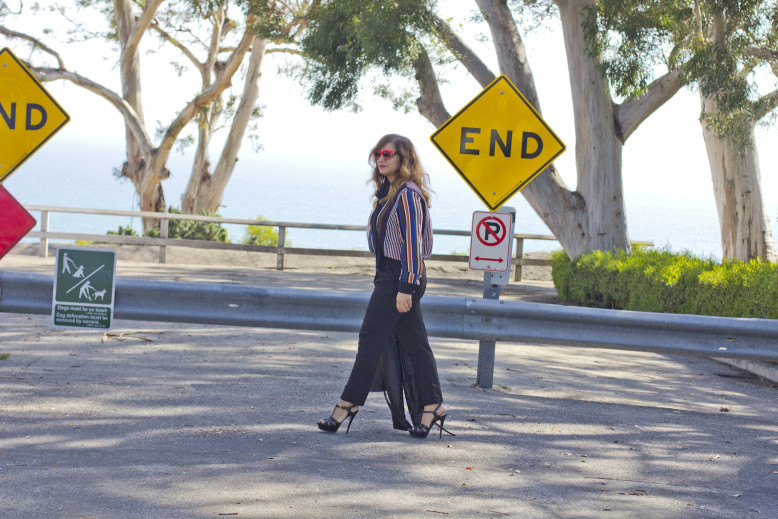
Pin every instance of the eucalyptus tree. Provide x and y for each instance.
(126, 24)
(348, 37)
(728, 49)
(277, 26)
(254, 24)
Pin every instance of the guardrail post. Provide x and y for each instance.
(280, 249)
(519, 255)
(485, 375)
(163, 231)
(44, 250)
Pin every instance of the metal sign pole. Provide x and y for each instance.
(492, 283)
(485, 376)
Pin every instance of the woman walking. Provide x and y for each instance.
(400, 236)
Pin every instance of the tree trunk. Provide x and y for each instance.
(207, 120)
(147, 184)
(745, 225)
(593, 217)
(210, 193)
(598, 147)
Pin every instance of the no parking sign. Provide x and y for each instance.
(490, 241)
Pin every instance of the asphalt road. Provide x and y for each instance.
(156, 420)
(178, 421)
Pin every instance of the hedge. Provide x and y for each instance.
(662, 281)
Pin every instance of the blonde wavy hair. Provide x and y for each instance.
(411, 169)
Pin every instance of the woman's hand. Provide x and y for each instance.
(404, 302)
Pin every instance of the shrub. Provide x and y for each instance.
(662, 281)
(192, 230)
(261, 235)
(124, 231)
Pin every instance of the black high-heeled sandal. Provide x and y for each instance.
(331, 424)
(421, 430)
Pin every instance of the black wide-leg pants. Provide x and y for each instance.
(381, 319)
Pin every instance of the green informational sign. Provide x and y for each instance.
(84, 288)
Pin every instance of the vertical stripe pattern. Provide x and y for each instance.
(408, 234)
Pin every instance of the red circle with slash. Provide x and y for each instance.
(491, 230)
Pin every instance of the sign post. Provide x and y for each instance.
(84, 288)
(493, 278)
(497, 143)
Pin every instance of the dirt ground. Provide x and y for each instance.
(293, 262)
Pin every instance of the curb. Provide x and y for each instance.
(768, 370)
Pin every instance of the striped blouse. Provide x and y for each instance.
(408, 235)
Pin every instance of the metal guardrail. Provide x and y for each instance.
(281, 251)
(450, 317)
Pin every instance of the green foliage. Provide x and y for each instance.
(346, 38)
(4, 356)
(715, 47)
(261, 235)
(662, 281)
(632, 37)
(192, 230)
(124, 231)
(270, 22)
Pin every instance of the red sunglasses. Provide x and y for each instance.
(387, 154)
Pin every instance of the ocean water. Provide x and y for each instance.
(303, 189)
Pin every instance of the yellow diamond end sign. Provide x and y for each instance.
(29, 116)
(498, 143)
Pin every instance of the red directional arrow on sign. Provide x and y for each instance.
(498, 260)
(15, 221)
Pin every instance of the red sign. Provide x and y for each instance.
(15, 221)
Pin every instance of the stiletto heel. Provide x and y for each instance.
(421, 430)
(332, 425)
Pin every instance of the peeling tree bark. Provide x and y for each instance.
(147, 183)
(598, 146)
(210, 193)
(593, 216)
(737, 188)
(743, 220)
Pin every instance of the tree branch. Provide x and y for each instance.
(769, 55)
(218, 19)
(461, 51)
(511, 52)
(430, 104)
(764, 53)
(205, 97)
(180, 46)
(142, 23)
(767, 103)
(284, 50)
(632, 112)
(35, 41)
(131, 118)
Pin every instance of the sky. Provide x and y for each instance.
(663, 160)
